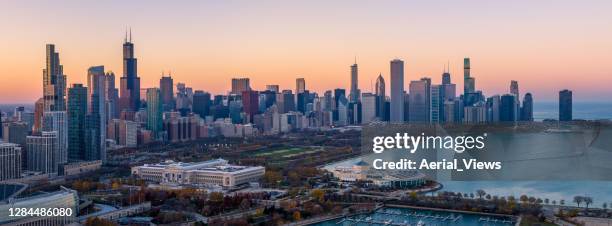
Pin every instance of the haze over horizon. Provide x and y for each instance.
(545, 45)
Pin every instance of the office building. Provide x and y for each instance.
(380, 93)
(274, 88)
(527, 109)
(166, 88)
(565, 105)
(469, 83)
(240, 85)
(42, 152)
(420, 100)
(436, 104)
(397, 90)
(300, 85)
(123, 132)
(130, 82)
(201, 103)
(96, 111)
(154, 111)
(111, 97)
(354, 92)
(39, 108)
(15, 132)
(10, 161)
(507, 111)
(76, 112)
(368, 107)
(250, 103)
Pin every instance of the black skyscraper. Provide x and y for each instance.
(201, 103)
(565, 105)
(527, 109)
(130, 82)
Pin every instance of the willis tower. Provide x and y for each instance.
(130, 82)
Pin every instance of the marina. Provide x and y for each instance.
(419, 217)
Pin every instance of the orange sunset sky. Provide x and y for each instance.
(546, 45)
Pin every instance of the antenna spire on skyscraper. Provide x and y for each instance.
(130, 34)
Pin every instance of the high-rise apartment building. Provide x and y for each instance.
(354, 92)
(10, 161)
(42, 152)
(54, 82)
(58, 121)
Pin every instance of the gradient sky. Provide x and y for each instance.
(546, 45)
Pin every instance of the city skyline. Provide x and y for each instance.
(207, 54)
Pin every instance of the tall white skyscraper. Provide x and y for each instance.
(397, 91)
(57, 121)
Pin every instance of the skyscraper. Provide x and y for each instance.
(54, 82)
(493, 108)
(166, 87)
(380, 97)
(239, 85)
(77, 110)
(469, 83)
(154, 111)
(368, 107)
(300, 85)
(39, 108)
(273, 88)
(436, 104)
(96, 91)
(354, 93)
(57, 121)
(565, 105)
(303, 99)
(112, 97)
(507, 111)
(130, 82)
(10, 161)
(42, 152)
(287, 101)
(397, 91)
(250, 102)
(527, 109)
(420, 100)
(514, 88)
(201, 103)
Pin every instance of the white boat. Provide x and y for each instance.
(420, 223)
